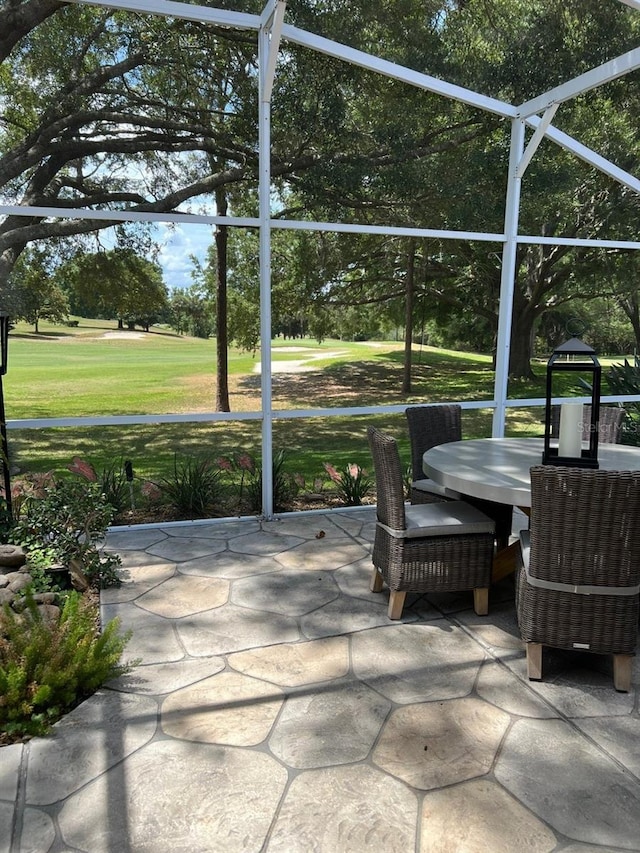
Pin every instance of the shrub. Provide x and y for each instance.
(195, 490)
(49, 666)
(66, 519)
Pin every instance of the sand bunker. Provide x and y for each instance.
(303, 366)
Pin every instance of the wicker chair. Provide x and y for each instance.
(580, 581)
(609, 423)
(428, 427)
(426, 548)
(433, 425)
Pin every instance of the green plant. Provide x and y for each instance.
(68, 518)
(112, 480)
(284, 485)
(39, 565)
(407, 479)
(115, 486)
(353, 483)
(195, 489)
(49, 666)
(625, 379)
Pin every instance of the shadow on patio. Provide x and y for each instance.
(277, 708)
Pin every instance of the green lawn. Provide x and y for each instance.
(92, 369)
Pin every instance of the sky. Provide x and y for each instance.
(178, 243)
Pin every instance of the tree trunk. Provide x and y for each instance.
(408, 317)
(631, 308)
(8, 260)
(521, 346)
(222, 384)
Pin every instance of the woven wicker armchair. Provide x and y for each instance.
(610, 421)
(430, 426)
(435, 547)
(580, 581)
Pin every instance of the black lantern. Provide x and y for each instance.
(571, 429)
(4, 350)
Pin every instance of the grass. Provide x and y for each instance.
(93, 370)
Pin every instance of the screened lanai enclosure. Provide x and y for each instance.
(473, 163)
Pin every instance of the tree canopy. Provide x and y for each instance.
(113, 111)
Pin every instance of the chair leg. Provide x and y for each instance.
(396, 603)
(375, 584)
(622, 672)
(534, 661)
(481, 600)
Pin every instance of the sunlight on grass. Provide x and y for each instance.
(95, 369)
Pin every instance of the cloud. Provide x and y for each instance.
(177, 244)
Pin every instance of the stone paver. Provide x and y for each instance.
(262, 544)
(180, 549)
(6, 825)
(600, 804)
(345, 617)
(289, 594)
(276, 708)
(498, 687)
(159, 678)
(322, 555)
(294, 664)
(136, 580)
(154, 639)
(338, 725)
(134, 540)
(353, 809)
(227, 565)
(173, 796)
(435, 744)
(38, 830)
(95, 736)
(228, 708)
(232, 628)
(480, 816)
(619, 736)
(9, 769)
(413, 663)
(183, 595)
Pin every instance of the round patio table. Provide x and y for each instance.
(497, 469)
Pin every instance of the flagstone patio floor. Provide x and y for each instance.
(276, 708)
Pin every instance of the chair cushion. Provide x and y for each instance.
(433, 488)
(450, 518)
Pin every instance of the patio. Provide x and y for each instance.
(277, 708)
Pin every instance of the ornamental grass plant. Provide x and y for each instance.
(352, 483)
(195, 488)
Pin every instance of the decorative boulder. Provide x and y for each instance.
(12, 556)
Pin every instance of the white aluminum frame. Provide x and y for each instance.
(271, 30)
